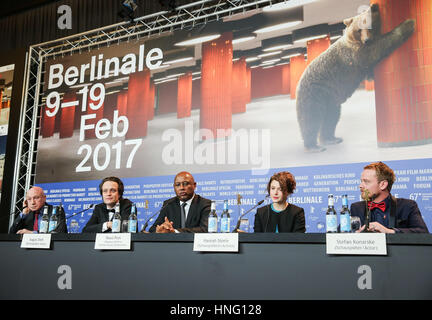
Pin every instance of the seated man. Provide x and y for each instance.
(29, 219)
(187, 212)
(111, 190)
(387, 213)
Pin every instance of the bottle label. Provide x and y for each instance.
(212, 224)
(331, 202)
(132, 226)
(345, 223)
(116, 225)
(52, 226)
(43, 227)
(345, 201)
(225, 225)
(331, 222)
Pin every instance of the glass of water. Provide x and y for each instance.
(355, 223)
(244, 225)
(124, 226)
(74, 226)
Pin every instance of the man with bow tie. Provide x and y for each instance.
(111, 190)
(387, 213)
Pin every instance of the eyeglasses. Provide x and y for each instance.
(35, 198)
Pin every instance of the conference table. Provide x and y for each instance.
(165, 267)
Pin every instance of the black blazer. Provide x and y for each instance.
(101, 215)
(404, 216)
(197, 218)
(292, 219)
(28, 220)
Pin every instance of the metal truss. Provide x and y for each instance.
(183, 17)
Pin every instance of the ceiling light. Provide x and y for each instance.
(191, 42)
(279, 26)
(286, 5)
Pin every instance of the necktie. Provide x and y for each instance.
(35, 223)
(381, 205)
(112, 216)
(183, 214)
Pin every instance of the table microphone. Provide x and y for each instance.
(163, 207)
(84, 210)
(238, 221)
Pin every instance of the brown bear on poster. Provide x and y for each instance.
(332, 77)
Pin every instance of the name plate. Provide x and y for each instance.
(36, 241)
(216, 242)
(113, 241)
(356, 243)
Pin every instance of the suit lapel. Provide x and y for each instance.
(392, 218)
(192, 210)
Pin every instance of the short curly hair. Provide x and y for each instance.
(286, 181)
(383, 172)
(113, 179)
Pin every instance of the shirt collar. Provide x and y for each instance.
(189, 202)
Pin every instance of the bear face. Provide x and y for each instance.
(364, 27)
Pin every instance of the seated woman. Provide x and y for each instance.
(280, 216)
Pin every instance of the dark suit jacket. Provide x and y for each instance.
(292, 219)
(197, 218)
(28, 220)
(101, 215)
(404, 216)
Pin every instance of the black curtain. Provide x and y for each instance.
(40, 24)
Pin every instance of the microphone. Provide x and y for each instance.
(163, 207)
(367, 217)
(84, 210)
(238, 221)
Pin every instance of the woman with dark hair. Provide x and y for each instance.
(280, 216)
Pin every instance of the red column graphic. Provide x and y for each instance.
(152, 101)
(1, 99)
(403, 81)
(249, 81)
(110, 106)
(48, 123)
(266, 82)
(316, 47)
(239, 86)
(122, 103)
(285, 79)
(184, 96)
(167, 97)
(67, 116)
(216, 73)
(297, 67)
(137, 104)
(369, 85)
(91, 133)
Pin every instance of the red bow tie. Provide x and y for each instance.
(381, 205)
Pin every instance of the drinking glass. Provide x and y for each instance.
(355, 223)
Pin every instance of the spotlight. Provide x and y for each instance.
(128, 8)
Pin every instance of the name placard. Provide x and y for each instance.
(356, 243)
(36, 241)
(216, 242)
(113, 241)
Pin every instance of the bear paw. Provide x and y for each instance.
(330, 141)
(314, 149)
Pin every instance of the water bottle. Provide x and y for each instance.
(212, 219)
(43, 228)
(116, 222)
(225, 218)
(345, 215)
(133, 220)
(331, 215)
(53, 221)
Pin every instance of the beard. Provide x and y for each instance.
(370, 196)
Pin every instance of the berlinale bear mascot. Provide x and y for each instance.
(332, 77)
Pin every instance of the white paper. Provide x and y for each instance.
(36, 241)
(216, 242)
(113, 241)
(356, 243)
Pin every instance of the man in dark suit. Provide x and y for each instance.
(387, 213)
(28, 220)
(187, 212)
(111, 190)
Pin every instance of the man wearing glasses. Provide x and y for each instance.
(186, 212)
(28, 220)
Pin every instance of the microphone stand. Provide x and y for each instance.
(367, 217)
(152, 216)
(84, 210)
(239, 219)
